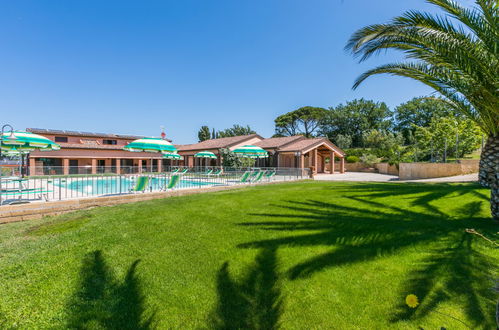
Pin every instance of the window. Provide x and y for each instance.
(61, 139)
(113, 142)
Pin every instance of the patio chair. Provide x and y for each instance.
(141, 184)
(185, 170)
(245, 177)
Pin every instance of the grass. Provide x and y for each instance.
(298, 255)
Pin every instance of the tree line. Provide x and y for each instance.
(421, 129)
(205, 133)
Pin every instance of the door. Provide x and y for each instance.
(73, 166)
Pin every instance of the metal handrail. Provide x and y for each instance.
(80, 185)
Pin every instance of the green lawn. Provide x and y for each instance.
(298, 255)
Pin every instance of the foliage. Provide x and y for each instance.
(352, 159)
(236, 130)
(354, 119)
(356, 151)
(214, 134)
(217, 254)
(382, 143)
(343, 141)
(455, 54)
(304, 121)
(369, 159)
(204, 133)
(229, 158)
(432, 139)
(419, 112)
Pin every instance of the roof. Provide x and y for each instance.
(278, 142)
(217, 143)
(89, 146)
(304, 145)
(85, 134)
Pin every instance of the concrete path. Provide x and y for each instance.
(356, 176)
(376, 177)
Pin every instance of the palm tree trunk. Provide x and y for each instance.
(489, 172)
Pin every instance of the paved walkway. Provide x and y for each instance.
(376, 177)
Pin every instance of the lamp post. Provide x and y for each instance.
(11, 137)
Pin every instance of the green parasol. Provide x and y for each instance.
(250, 151)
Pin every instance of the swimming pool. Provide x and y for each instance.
(116, 185)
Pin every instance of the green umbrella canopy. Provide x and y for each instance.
(14, 152)
(251, 152)
(172, 156)
(205, 154)
(150, 145)
(26, 142)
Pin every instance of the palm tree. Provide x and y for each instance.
(456, 54)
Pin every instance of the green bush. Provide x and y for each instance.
(369, 159)
(352, 159)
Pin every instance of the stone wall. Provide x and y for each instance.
(413, 171)
(385, 168)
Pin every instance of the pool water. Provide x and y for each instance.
(113, 185)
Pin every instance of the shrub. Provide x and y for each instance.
(352, 159)
(369, 159)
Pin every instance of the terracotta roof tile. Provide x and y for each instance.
(302, 145)
(278, 142)
(216, 143)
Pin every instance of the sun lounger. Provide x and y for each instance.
(141, 185)
(175, 170)
(174, 180)
(258, 177)
(184, 171)
(217, 172)
(245, 177)
(270, 174)
(39, 192)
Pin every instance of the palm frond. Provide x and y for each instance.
(458, 61)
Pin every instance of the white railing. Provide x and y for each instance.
(106, 182)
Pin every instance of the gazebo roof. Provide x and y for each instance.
(305, 145)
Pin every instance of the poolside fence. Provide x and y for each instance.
(107, 182)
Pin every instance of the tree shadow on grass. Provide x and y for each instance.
(255, 303)
(368, 227)
(103, 302)
(453, 270)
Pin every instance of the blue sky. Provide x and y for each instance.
(132, 66)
